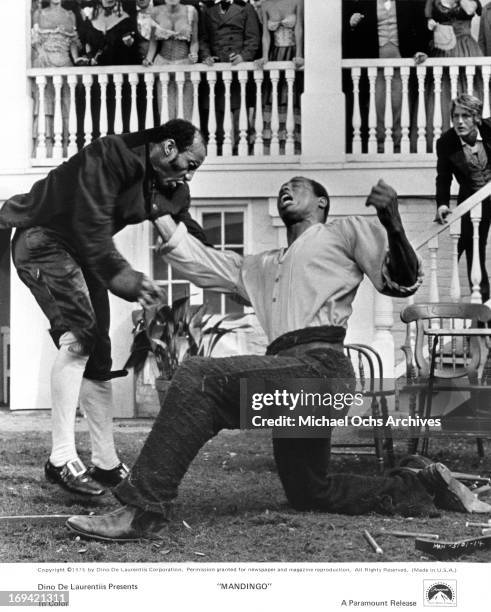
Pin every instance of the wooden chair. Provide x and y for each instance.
(370, 381)
(456, 335)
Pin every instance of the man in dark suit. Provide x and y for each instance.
(64, 252)
(230, 33)
(383, 29)
(464, 152)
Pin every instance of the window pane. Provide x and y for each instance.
(234, 228)
(212, 301)
(232, 307)
(238, 250)
(160, 268)
(177, 275)
(212, 225)
(179, 291)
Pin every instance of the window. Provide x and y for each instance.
(176, 286)
(225, 230)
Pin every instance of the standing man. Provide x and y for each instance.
(464, 152)
(230, 33)
(302, 297)
(64, 252)
(385, 29)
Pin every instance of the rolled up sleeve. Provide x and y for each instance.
(370, 249)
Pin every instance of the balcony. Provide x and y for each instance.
(397, 109)
(244, 112)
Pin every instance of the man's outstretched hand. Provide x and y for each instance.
(384, 199)
(150, 293)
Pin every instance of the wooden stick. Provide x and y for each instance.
(34, 518)
(372, 542)
(409, 534)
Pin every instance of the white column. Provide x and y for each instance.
(323, 139)
(16, 115)
(383, 340)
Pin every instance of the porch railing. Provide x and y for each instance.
(396, 108)
(428, 248)
(242, 111)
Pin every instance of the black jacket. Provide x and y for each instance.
(96, 193)
(237, 31)
(362, 41)
(452, 162)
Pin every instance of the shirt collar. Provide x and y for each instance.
(466, 144)
(220, 1)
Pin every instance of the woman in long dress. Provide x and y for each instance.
(282, 41)
(174, 41)
(55, 44)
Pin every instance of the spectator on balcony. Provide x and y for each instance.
(64, 252)
(110, 36)
(231, 34)
(144, 26)
(282, 41)
(110, 40)
(384, 29)
(464, 153)
(450, 22)
(55, 44)
(174, 41)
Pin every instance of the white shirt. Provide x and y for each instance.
(311, 283)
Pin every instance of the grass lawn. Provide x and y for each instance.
(231, 508)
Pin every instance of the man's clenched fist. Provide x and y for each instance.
(384, 199)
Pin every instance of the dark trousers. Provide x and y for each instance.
(71, 297)
(204, 398)
(465, 245)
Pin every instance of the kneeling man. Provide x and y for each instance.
(302, 296)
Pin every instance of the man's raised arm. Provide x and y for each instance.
(403, 264)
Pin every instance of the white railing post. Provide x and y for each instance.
(103, 120)
(88, 122)
(118, 115)
(195, 78)
(41, 148)
(228, 132)
(421, 143)
(485, 81)
(149, 79)
(243, 145)
(211, 76)
(57, 119)
(437, 115)
(133, 80)
(388, 117)
(72, 117)
(180, 78)
(163, 101)
(469, 73)
(290, 113)
(454, 76)
(259, 123)
(433, 250)
(476, 273)
(405, 118)
(372, 111)
(356, 121)
(275, 119)
(455, 290)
